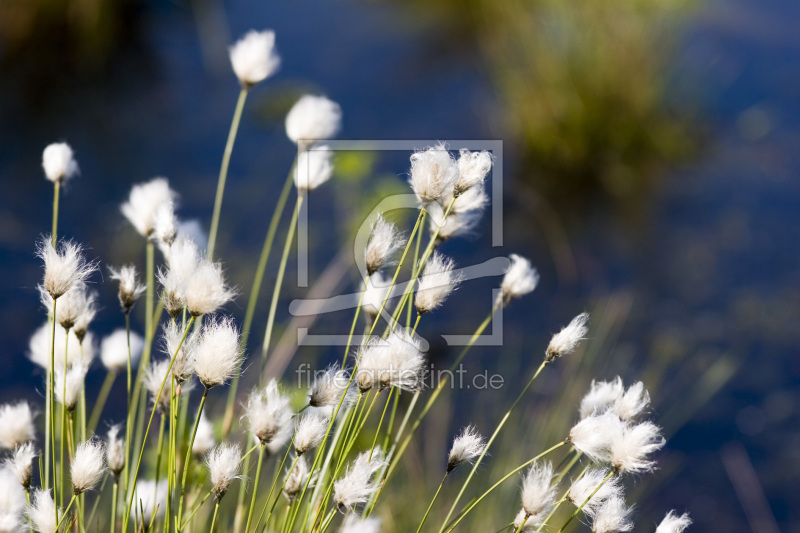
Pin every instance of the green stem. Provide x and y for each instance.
(273, 306)
(214, 520)
(433, 501)
(519, 529)
(66, 511)
(102, 397)
(274, 483)
(63, 413)
(472, 505)
(52, 405)
(188, 458)
(355, 321)
(578, 510)
(380, 423)
(416, 260)
(255, 290)
(114, 498)
(160, 445)
(255, 489)
(223, 171)
(489, 444)
(54, 233)
(191, 515)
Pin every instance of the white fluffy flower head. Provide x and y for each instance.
(254, 58)
(87, 466)
(12, 503)
(312, 119)
(594, 435)
(472, 170)
(206, 290)
(673, 523)
(520, 279)
(538, 493)
(601, 397)
(433, 174)
(587, 484)
(384, 241)
(464, 216)
(129, 287)
(114, 350)
(296, 479)
(181, 349)
(314, 167)
(565, 341)
(357, 484)
(310, 431)
(436, 283)
(64, 267)
(21, 463)
(356, 524)
(204, 440)
(165, 225)
(396, 361)
(375, 293)
(40, 346)
(328, 388)
(16, 425)
(42, 512)
(268, 412)
(466, 447)
(68, 385)
(144, 202)
(115, 450)
(217, 354)
(632, 403)
(612, 516)
(630, 449)
(58, 161)
(150, 496)
(223, 465)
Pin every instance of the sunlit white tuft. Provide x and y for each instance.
(396, 361)
(42, 512)
(312, 119)
(115, 451)
(21, 463)
(129, 287)
(144, 202)
(254, 58)
(114, 350)
(587, 484)
(310, 431)
(217, 354)
(206, 290)
(466, 448)
(472, 170)
(630, 448)
(433, 174)
(520, 279)
(223, 465)
(436, 283)
(268, 412)
(58, 161)
(612, 516)
(384, 241)
(673, 523)
(356, 524)
(357, 485)
(328, 388)
(16, 425)
(565, 341)
(63, 267)
(314, 167)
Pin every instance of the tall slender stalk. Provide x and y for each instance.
(578, 510)
(436, 495)
(255, 489)
(214, 520)
(189, 453)
(54, 232)
(63, 412)
(489, 443)
(223, 171)
(52, 405)
(114, 498)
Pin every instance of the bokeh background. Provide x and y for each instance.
(651, 173)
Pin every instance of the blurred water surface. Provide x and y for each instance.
(703, 272)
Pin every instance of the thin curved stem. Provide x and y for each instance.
(188, 458)
(255, 489)
(223, 171)
(436, 495)
(214, 520)
(54, 232)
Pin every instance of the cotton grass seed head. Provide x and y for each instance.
(21, 463)
(594, 435)
(472, 170)
(375, 293)
(40, 347)
(42, 512)
(204, 440)
(329, 387)
(254, 57)
(129, 287)
(268, 412)
(466, 448)
(217, 354)
(312, 119)
(314, 167)
(673, 523)
(356, 524)
(436, 283)
(12, 503)
(588, 483)
(206, 290)
(115, 450)
(396, 361)
(150, 496)
(630, 448)
(538, 493)
(310, 431)
(632, 403)
(153, 378)
(465, 214)
(77, 305)
(181, 349)
(114, 350)
(223, 466)
(601, 397)
(87, 466)
(565, 341)
(16, 425)
(612, 516)
(144, 202)
(58, 161)
(357, 485)
(384, 241)
(165, 225)
(296, 479)
(69, 384)
(520, 279)
(63, 267)
(434, 173)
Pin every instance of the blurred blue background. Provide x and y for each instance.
(651, 173)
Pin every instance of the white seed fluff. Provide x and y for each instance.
(631, 447)
(673, 523)
(183, 350)
(433, 174)
(87, 466)
(21, 463)
(150, 496)
(16, 425)
(314, 167)
(42, 512)
(538, 493)
(565, 341)
(114, 350)
(374, 295)
(467, 446)
(40, 347)
(68, 385)
(472, 170)
(63, 267)
(310, 431)
(129, 287)
(595, 434)
(217, 354)
(268, 412)
(296, 479)
(58, 161)
(153, 378)
(601, 397)
(312, 119)
(357, 484)
(585, 485)
(206, 290)
(115, 450)
(632, 403)
(223, 466)
(520, 279)
(396, 361)
(254, 57)
(464, 216)
(612, 516)
(204, 440)
(165, 225)
(329, 387)
(143, 204)
(12, 503)
(436, 283)
(355, 524)
(384, 241)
